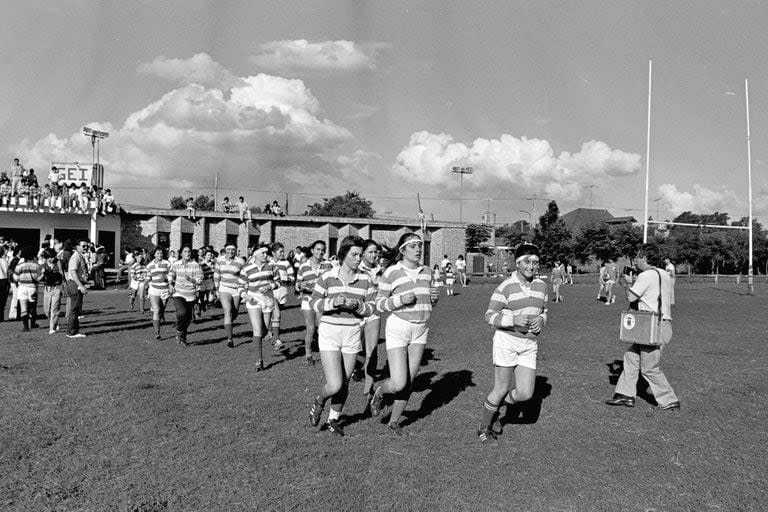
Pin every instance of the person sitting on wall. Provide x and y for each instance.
(32, 179)
(191, 209)
(108, 202)
(226, 206)
(5, 192)
(276, 210)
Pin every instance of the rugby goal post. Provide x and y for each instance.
(647, 221)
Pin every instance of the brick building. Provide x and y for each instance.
(148, 227)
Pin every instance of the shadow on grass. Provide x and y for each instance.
(442, 392)
(643, 389)
(528, 412)
(134, 325)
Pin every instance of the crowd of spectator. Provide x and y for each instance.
(20, 188)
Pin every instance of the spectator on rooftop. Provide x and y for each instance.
(226, 206)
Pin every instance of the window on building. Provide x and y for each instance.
(164, 239)
(186, 239)
(232, 240)
(333, 246)
(253, 240)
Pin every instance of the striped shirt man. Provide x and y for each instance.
(514, 297)
(28, 274)
(158, 270)
(185, 277)
(329, 286)
(398, 280)
(308, 274)
(258, 278)
(226, 274)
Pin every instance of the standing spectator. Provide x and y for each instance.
(27, 275)
(17, 172)
(13, 260)
(670, 268)
(243, 210)
(97, 271)
(82, 198)
(77, 274)
(32, 179)
(191, 209)
(5, 286)
(569, 273)
(53, 176)
(53, 277)
(5, 192)
(461, 270)
(45, 197)
(445, 262)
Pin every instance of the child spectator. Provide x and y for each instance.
(5, 192)
(276, 210)
(53, 176)
(226, 206)
(82, 198)
(45, 196)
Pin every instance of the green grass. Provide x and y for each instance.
(118, 421)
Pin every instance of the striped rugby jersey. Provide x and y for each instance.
(373, 272)
(157, 270)
(253, 277)
(329, 286)
(227, 272)
(185, 278)
(308, 275)
(207, 269)
(394, 283)
(28, 274)
(138, 272)
(285, 269)
(511, 295)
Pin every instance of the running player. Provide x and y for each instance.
(450, 278)
(285, 269)
(518, 311)
(257, 279)
(138, 276)
(308, 273)
(226, 273)
(371, 324)
(158, 270)
(185, 277)
(342, 297)
(207, 289)
(405, 292)
(27, 275)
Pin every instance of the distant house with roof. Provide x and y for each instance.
(580, 217)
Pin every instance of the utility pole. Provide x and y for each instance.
(590, 187)
(216, 190)
(461, 171)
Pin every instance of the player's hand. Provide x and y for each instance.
(339, 301)
(352, 304)
(408, 298)
(536, 323)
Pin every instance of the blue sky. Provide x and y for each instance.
(543, 99)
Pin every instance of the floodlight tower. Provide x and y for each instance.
(461, 171)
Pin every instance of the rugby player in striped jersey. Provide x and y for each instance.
(518, 312)
(342, 297)
(226, 273)
(285, 269)
(256, 281)
(159, 293)
(405, 291)
(308, 273)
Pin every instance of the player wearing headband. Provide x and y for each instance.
(257, 280)
(405, 292)
(158, 270)
(226, 273)
(518, 312)
(342, 297)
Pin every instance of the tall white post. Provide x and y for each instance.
(750, 282)
(647, 154)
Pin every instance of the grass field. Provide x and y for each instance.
(119, 421)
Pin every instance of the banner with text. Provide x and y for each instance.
(79, 173)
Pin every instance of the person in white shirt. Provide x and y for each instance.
(243, 210)
(461, 270)
(670, 268)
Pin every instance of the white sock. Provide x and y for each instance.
(334, 415)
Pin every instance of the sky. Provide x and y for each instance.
(297, 101)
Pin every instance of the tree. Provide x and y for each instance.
(513, 235)
(553, 237)
(350, 204)
(476, 236)
(203, 203)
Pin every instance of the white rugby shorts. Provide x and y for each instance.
(343, 338)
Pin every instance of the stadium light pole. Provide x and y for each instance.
(461, 171)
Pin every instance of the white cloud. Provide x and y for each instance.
(701, 200)
(264, 132)
(300, 54)
(198, 69)
(520, 166)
